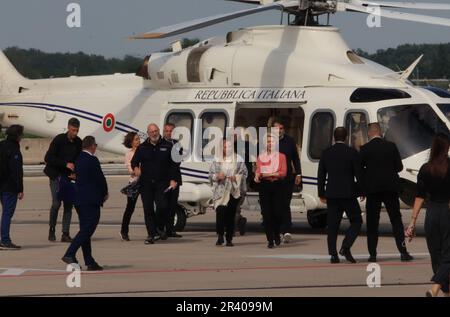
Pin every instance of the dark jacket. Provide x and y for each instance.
(289, 149)
(178, 146)
(61, 152)
(342, 164)
(155, 161)
(90, 186)
(11, 157)
(381, 164)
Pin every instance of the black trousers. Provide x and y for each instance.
(272, 200)
(152, 194)
(286, 216)
(129, 210)
(336, 208)
(437, 231)
(373, 208)
(89, 216)
(54, 209)
(173, 203)
(225, 218)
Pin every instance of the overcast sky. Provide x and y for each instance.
(107, 23)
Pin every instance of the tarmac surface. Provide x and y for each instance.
(193, 266)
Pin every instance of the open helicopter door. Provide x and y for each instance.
(262, 115)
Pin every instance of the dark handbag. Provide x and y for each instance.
(131, 190)
(66, 190)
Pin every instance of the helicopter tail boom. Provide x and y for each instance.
(10, 78)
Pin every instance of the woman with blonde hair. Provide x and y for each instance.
(227, 176)
(271, 170)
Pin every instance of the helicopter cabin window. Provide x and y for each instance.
(321, 134)
(257, 116)
(357, 127)
(377, 94)
(212, 124)
(411, 127)
(438, 91)
(185, 120)
(445, 108)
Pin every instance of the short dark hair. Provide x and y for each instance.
(170, 125)
(128, 139)
(340, 134)
(14, 132)
(279, 121)
(88, 142)
(74, 122)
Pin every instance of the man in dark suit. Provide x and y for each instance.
(91, 192)
(342, 165)
(381, 164)
(174, 193)
(288, 147)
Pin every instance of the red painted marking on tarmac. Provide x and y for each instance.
(229, 269)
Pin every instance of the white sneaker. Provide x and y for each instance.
(287, 237)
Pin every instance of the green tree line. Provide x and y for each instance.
(35, 64)
(434, 65)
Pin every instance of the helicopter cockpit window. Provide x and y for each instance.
(376, 94)
(438, 91)
(321, 134)
(411, 127)
(445, 108)
(212, 124)
(357, 126)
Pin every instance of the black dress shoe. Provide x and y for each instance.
(270, 245)
(66, 238)
(162, 234)
(124, 237)
(51, 235)
(229, 244)
(220, 240)
(372, 259)
(241, 225)
(348, 255)
(406, 257)
(69, 260)
(94, 267)
(149, 240)
(174, 235)
(334, 259)
(277, 240)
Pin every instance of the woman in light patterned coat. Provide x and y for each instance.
(227, 175)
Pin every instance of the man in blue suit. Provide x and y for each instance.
(91, 191)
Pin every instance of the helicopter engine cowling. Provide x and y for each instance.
(269, 56)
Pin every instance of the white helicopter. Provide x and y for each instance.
(303, 72)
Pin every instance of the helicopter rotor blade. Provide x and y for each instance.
(404, 5)
(396, 15)
(184, 27)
